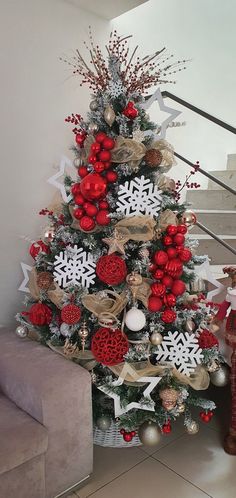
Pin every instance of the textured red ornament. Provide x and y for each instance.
(160, 257)
(166, 428)
(103, 217)
(182, 229)
(167, 281)
(104, 155)
(207, 339)
(111, 269)
(86, 223)
(179, 239)
(158, 289)
(173, 267)
(130, 111)
(171, 252)
(79, 199)
(168, 316)
(108, 143)
(75, 189)
(93, 186)
(83, 171)
(154, 304)
(127, 437)
(178, 287)
(111, 176)
(99, 167)
(70, 314)
(185, 255)
(109, 346)
(171, 230)
(167, 240)
(169, 300)
(90, 209)
(38, 247)
(78, 213)
(40, 314)
(158, 274)
(100, 137)
(103, 205)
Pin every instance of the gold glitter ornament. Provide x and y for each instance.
(149, 433)
(213, 366)
(93, 105)
(44, 280)
(134, 278)
(109, 115)
(83, 334)
(153, 158)
(181, 408)
(169, 398)
(78, 161)
(103, 423)
(156, 339)
(93, 128)
(192, 428)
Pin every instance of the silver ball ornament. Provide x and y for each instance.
(65, 330)
(192, 428)
(103, 423)
(92, 128)
(156, 339)
(93, 105)
(149, 433)
(220, 377)
(22, 331)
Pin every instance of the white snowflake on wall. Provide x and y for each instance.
(74, 267)
(139, 196)
(181, 350)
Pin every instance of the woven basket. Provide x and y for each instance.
(112, 438)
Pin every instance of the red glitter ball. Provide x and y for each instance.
(70, 314)
(111, 269)
(86, 223)
(109, 346)
(168, 316)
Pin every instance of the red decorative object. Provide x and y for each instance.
(70, 314)
(80, 138)
(171, 230)
(107, 164)
(154, 304)
(75, 189)
(95, 147)
(168, 316)
(182, 229)
(103, 217)
(103, 205)
(174, 267)
(79, 199)
(179, 239)
(169, 300)
(109, 346)
(158, 274)
(127, 437)
(130, 111)
(104, 155)
(82, 171)
(166, 428)
(100, 137)
(167, 240)
(178, 287)
(158, 289)
(91, 209)
(167, 281)
(78, 213)
(38, 247)
(171, 252)
(185, 255)
(108, 143)
(111, 176)
(93, 186)
(160, 257)
(99, 167)
(86, 223)
(207, 339)
(206, 416)
(111, 269)
(40, 314)
(92, 158)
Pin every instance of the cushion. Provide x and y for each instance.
(22, 437)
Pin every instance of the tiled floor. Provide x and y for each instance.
(182, 466)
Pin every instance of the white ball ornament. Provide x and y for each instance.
(65, 330)
(22, 331)
(135, 319)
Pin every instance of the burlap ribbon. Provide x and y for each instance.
(138, 228)
(85, 358)
(129, 151)
(143, 291)
(166, 183)
(111, 303)
(166, 218)
(55, 293)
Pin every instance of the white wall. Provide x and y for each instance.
(203, 31)
(37, 93)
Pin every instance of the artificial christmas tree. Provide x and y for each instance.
(111, 285)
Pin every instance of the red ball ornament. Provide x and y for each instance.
(182, 229)
(93, 186)
(111, 269)
(108, 143)
(133, 433)
(171, 230)
(111, 176)
(185, 255)
(80, 138)
(70, 314)
(178, 287)
(103, 217)
(104, 155)
(100, 137)
(91, 210)
(173, 267)
(103, 205)
(109, 346)
(206, 416)
(82, 171)
(79, 199)
(160, 257)
(127, 437)
(168, 316)
(86, 223)
(75, 189)
(107, 164)
(95, 147)
(78, 213)
(40, 314)
(92, 158)
(171, 252)
(169, 300)
(166, 428)
(154, 304)
(167, 240)
(207, 339)
(38, 247)
(167, 281)
(158, 274)
(130, 111)
(99, 167)
(179, 239)
(122, 431)
(158, 289)
(179, 249)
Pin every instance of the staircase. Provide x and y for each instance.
(216, 209)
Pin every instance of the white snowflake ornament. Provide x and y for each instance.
(75, 267)
(139, 196)
(181, 350)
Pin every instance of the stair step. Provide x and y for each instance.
(211, 199)
(227, 176)
(217, 222)
(231, 161)
(217, 253)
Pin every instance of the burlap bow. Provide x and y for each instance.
(112, 302)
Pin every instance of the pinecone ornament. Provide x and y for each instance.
(153, 158)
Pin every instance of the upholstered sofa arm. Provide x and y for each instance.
(57, 393)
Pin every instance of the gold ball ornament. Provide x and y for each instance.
(49, 234)
(189, 218)
(78, 161)
(220, 377)
(153, 158)
(134, 279)
(156, 338)
(213, 366)
(109, 115)
(149, 433)
(192, 428)
(190, 326)
(169, 397)
(93, 105)
(181, 408)
(93, 128)
(44, 280)
(22, 331)
(83, 334)
(103, 423)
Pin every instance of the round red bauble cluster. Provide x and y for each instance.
(207, 339)
(127, 436)
(70, 314)
(206, 416)
(40, 314)
(111, 269)
(109, 346)
(100, 155)
(130, 110)
(38, 247)
(168, 316)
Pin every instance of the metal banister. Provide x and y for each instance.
(214, 236)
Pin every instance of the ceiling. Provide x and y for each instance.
(108, 9)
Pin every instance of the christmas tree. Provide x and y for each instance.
(111, 287)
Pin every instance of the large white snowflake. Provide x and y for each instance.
(139, 196)
(74, 267)
(181, 350)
